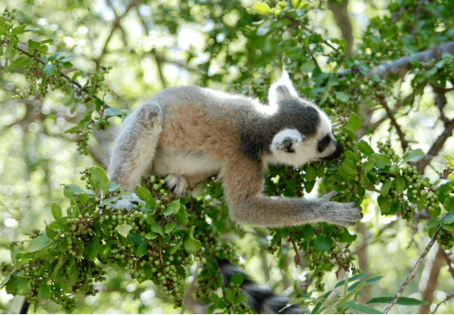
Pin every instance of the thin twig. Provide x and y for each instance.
(449, 263)
(401, 135)
(297, 258)
(412, 273)
(398, 14)
(116, 25)
(450, 296)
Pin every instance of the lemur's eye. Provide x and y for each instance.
(323, 143)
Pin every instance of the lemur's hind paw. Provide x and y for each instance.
(177, 184)
(127, 203)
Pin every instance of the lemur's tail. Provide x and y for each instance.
(261, 299)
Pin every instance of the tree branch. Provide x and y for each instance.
(116, 25)
(402, 65)
(432, 281)
(340, 12)
(412, 273)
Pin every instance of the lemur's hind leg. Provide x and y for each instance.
(135, 146)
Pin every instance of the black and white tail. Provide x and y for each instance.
(261, 299)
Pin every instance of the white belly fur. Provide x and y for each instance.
(171, 161)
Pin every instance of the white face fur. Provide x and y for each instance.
(289, 146)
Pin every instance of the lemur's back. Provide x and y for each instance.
(199, 119)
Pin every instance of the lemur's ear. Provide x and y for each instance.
(287, 140)
(282, 90)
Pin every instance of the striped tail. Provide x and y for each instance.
(261, 299)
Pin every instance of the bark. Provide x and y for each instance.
(432, 282)
(363, 261)
(340, 12)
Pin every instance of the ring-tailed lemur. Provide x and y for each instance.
(193, 133)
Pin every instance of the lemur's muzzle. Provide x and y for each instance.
(335, 154)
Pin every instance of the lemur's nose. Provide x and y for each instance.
(336, 154)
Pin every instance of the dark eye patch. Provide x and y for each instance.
(322, 144)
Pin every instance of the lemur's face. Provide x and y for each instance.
(291, 147)
(311, 138)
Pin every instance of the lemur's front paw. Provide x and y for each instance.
(345, 214)
(177, 184)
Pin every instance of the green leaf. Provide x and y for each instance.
(4, 28)
(111, 112)
(448, 204)
(19, 30)
(322, 243)
(261, 8)
(400, 185)
(433, 222)
(366, 183)
(157, 229)
(51, 233)
(181, 216)
(49, 68)
(176, 247)
(38, 243)
(365, 148)
(191, 244)
(349, 168)
(311, 173)
(450, 160)
(384, 204)
(381, 160)
(306, 232)
(10, 52)
(400, 301)
(143, 193)
(385, 187)
(308, 66)
(21, 61)
(169, 227)
(413, 155)
(354, 122)
(351, 293)
(351, 279)
(56, 211)
(172, 208)
(361, 308)
(44, 292)
(151, 235)
(368, 281)
(369, 165)
(343, 97)
(100, 179)
(83, 198)
(449, 219)
(237, 279)
(77, 74)
(141, 249)
(94, 247)
(68, 58)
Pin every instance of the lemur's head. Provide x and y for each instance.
(302, 130)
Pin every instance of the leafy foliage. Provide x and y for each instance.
(159, 239)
